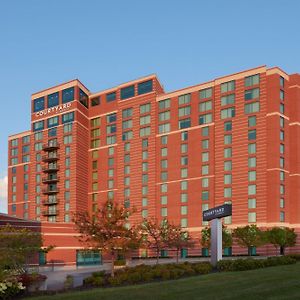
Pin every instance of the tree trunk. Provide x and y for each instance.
(112, 264)
(157, 256)
(282, 250)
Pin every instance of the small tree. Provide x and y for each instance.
(282, 237)
(108, 230)
(206, 236)
(179, 239)
(18, 246)
(249, 236)
(156, 234)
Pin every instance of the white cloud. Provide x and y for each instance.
(3, 194)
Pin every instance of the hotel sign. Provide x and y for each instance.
(55, 109)
(217, 212)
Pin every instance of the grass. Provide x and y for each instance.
(282, 282)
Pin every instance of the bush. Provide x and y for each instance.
(10, 287)
(294, 256)
(202, 268)
(98, 274)
(120, 262)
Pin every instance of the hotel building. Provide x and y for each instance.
(234, 139)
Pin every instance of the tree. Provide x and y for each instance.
(249, 236)
(179, 239)
(282, 237)
(108, 230)
(206, 236)
(18, 246)
(156, 234)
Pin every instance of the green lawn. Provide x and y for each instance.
(281, 282)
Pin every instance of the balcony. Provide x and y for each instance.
(50, 201)
(50, 212)
(50, 179)
(50, 157)
(52, 190)
(50, 146)
(50, 168)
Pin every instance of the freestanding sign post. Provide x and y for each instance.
(215, 214)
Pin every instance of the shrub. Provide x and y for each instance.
(98, 274)
(202, 268)
(294, 256)
(10, 287)
(69, 282)
(120, 262)
(115, 281)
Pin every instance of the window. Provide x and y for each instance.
(144, 201)
(14, 152)
(228, 165)
(281, 203)
(95, 101)
(205, 144)
(95, 133)
(205, 131)
(164, 116)
(111, 140)
(127, 124)
(183, 223)
(184, 160)
(252, 217)
(251, 108)
(52, 132)
(164, 164)
(252, 162)
(111, 129)
(251, 121)
(282, 189)
(127, 158)
(204, 106)
(281, 162)
(281, 135)
(26, 139)
(205, 156)
(145, 143)
(227, 152)
(281, 95)
(83, 98)
(127, 92)
(38, 104)
(145, 108)
(205, 182)
(251, 148)
(184, 111)
(127, 135)
(251, 175)
(228, 113)
(145, 87)
(164, 176)
(228, 126)
(227, 179)
(111, 97)
(184, 123)
(127, 147)
(183, 148)
(163, 128)
(164, 151)
(183, 198)
(127, 113)
(251, 94)
(184, 136)
(53, 99)
(229, 99)
(252, 134)
(69, 117)
(163, 104)
(184, 99)
(205, 170)
(205, 195)
(95, 122)
(111, 118)
(52, 122)
(145, 120)
(145, 155)
(251, 189)
(281, 81)
(164, 212)
(282, 216)
(145, 131)
(144, 166)
(252, 80)
(38, 146)
(281, 148)
(228, 86)
(227, 192)
(281, 108)
(281, 120)
(184, 173)
(252, 203)
(164, 188)
(204, 119)
(95, 143)
(38, 125)
(227, 139)
(68, 95)
(183, 185)
(183, 210)
(205, 93)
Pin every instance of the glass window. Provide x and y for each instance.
(252, 203)
(281, 135)
(183, 185)
(204, 119)
(164, 116)
(228, 86)
(164, 140)
(95, 101)
(205, 144)
(145, 108)
(281, 148)
(183, 148)
(184, 173)
(52, 122)
(163, 104)
(205, 182)
(227, 139)
(228, 165)
(164, 164)
(227, 192)
(111, 140)
(127, 124)
(26, 139)
(127, 135)
(205, 131)
(252, 134)
(38, 125)
(252, 176)
(38, 104)
(127, 113)
(227, 179)
(184, 99)
(251, 94)
(282, 216)
(228, 113)
(281, 108)
(111, 129)
(281, 95)
(83, 98)
(145, 131)
(205, 93)
(229, 99)
(145, 143)
(95, 122)
(252, 80)
(252, 148)
(205, 195)
(204, 106)
(127, 92)
(164, 151)
(163, 128)
(145, 87)
(251, 108)
(251, 121)
(227, 152)
(184, 123)
(281, 81)
(111, 118)
(228, 126)
(111, 97)
(252, 217)
(183, 210)
(252, 162)
(68, 95)
(164, 188)
(205, 156)
(145, 120)
(184, 111)
(53, 99)
(52, 132)
(183, 198)
(205, 170)
(69, 117)
(184, 223)
(251, 189)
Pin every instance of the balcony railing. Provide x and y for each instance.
(52, 157)
(50, 146)
(51, 168)
(50, 190)
(50, 179)
(50, 201)
(50, 212)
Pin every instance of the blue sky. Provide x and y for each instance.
(105, 43)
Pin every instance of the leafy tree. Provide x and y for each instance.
(206, 236)
(282, 237)
(179, 239)
(108, 230)
(17, 247)
(156, 235)
(249, 236)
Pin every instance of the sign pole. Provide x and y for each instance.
(216, 241)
